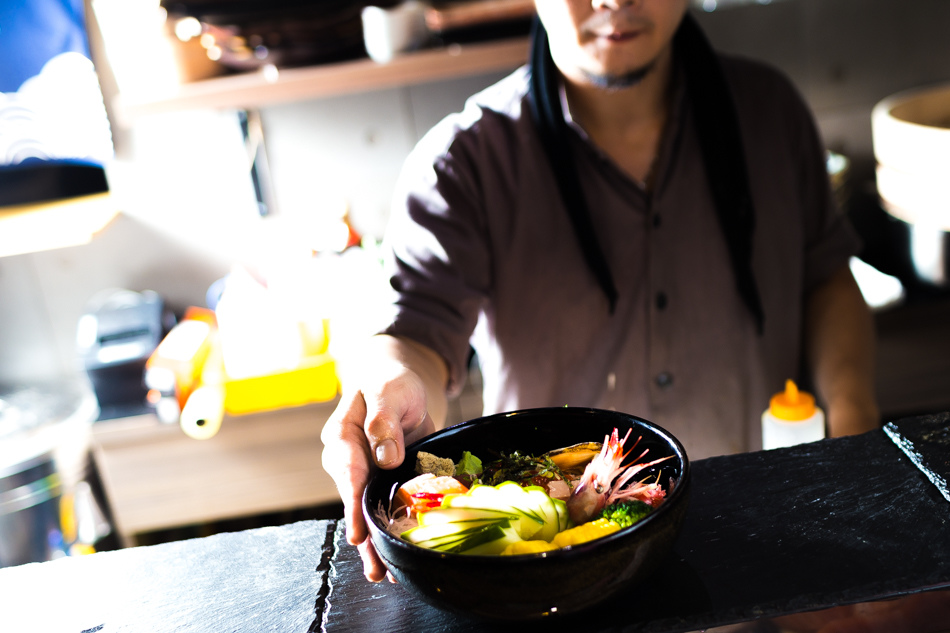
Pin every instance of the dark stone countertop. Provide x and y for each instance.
(835, 522)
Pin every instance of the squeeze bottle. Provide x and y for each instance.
(792, 418)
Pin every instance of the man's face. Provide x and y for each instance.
(609, 43)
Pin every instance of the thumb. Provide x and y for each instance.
(394, 417)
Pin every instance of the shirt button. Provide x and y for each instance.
(661, 301)
(664, 380)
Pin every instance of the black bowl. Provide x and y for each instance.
(536, 585)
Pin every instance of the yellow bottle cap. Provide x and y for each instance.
(792, 404)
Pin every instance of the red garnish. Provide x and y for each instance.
(428, 500)
(428, 495)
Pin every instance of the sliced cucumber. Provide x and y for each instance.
(486, 538)
(464, 515)
(563, 516)
(486, 519)
(493, 544)
(507, 498)
(448, 534)
(533, 517)
(545, 506)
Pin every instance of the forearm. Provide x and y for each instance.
(384, 354)
(839, 340)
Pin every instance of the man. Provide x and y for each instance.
(632, 222)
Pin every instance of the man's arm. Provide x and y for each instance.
(393, 394)
(839, 345)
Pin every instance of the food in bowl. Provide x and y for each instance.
(560, 498)
(545, 584)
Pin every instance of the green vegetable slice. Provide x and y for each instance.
(486, 519)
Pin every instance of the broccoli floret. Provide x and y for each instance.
(626, 513)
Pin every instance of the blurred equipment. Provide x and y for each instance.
(48, 225)
(256, 351)
(48, 508)
(114, 339)
(173, 371)
(467, 20)
(251, 34)
(911, 134)
(203, 413)
(53, 186)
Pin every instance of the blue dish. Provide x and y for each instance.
(535, 586)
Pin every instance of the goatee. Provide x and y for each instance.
(618, 82)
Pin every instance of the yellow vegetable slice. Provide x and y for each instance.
(585, 532)
(527, 547)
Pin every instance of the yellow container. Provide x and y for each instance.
(315, 380)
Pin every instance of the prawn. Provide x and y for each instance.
(605, 480)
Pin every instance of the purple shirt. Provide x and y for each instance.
(484, 253)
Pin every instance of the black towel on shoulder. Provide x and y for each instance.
(720, 141)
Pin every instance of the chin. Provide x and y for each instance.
(617, 79)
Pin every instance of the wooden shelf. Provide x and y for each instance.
(262, 88)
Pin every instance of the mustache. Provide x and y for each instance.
(613, 19)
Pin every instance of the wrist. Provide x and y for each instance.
(852, 415)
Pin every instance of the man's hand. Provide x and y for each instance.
(385, 405)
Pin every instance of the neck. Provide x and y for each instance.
(595, 106)
(627, 123)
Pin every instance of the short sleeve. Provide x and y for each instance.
(830, 238)
(437, 261)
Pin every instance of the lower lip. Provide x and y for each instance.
(621, 37)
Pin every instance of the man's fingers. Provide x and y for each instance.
(346, 458)
(373, 567)
(370, 428)
(384, 433)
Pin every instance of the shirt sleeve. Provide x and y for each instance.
(437, 261)
(830, 238)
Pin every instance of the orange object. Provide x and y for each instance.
(174, 368)
(314, 379)
(792, 404)
(195, 313)
(426, 491)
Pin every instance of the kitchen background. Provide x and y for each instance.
(189, 211)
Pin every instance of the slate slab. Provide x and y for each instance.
(926, 442)
(836, 522)
(266, 579)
